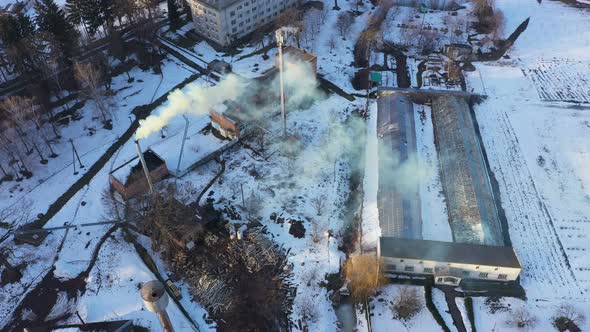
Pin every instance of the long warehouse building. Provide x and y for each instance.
(398, 196)
(470, 202)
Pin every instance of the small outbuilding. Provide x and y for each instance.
(129, 179)
(219, 66)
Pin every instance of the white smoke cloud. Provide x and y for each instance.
(197, 100)
(300, 85)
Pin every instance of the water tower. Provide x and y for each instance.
(155, 299)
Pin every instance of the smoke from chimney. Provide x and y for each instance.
(300, 84)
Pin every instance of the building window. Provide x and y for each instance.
(233, 13)
(465, 274)
(483, 274)
(502, 276)
(391, 267)
(427, 270)
(409, 268)
(401, 260)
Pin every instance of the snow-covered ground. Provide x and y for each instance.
(58, 175)
(382, 315)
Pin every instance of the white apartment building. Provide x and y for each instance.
(225, 21)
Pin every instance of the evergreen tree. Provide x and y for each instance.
(89, 10)
(17, 36)
(52, 20)
(74, 13)
(173, 15)
(106, 12)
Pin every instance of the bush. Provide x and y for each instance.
(407, 304)
(568, 318)
(522, 319)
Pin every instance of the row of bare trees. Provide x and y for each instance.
(27, 129)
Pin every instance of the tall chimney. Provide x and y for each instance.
(280, 42)
(145, 168)
(155, 299)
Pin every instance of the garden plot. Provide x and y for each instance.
(537, 198)
(561, 80)
(433, 30)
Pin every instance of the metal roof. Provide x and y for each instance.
(448, 252)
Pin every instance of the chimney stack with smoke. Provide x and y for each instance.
(145, 168)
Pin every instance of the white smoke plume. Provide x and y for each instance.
(197, 100)
(300, 85)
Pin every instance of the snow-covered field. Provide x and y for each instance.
(537, 147)
(382, 313)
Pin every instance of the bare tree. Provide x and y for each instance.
(89, 77)
(364, 274)
(522, 319)
(309, 310)
(331, 43)
(344, 22)
(319, 203)
(14, 216)
(407, 304)
(568, 318)
(291, 17)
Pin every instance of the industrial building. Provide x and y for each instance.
(477, 252)
(448, 262)
(473, 215)
(225, 21)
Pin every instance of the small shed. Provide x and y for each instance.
(129, 178)
(219, 66)
(300, 55)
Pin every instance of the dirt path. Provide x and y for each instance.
(454, 311)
